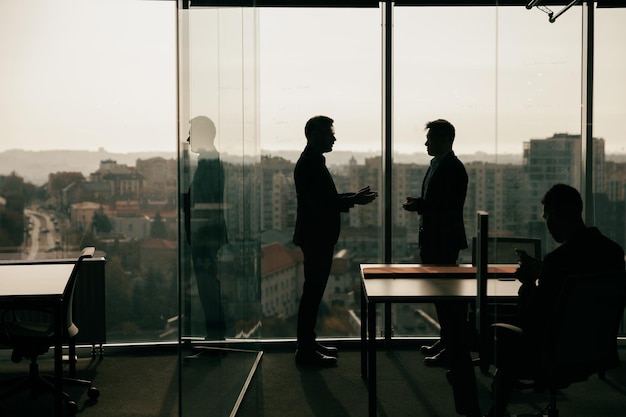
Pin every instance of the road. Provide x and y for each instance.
(42, 234)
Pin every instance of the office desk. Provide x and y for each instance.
(40, 285)
(413, 283)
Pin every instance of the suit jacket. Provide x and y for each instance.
(442, 212)
(588, 252)
(318, 220)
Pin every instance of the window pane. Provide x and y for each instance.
(319, 68)
(88, 149)
(511, 86)
(608, 128)
(219, 179)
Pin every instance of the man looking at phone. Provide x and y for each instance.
(583, 250)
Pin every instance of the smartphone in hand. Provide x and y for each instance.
(522, 255)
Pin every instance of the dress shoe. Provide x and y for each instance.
(315, 359)
(440, 359)
(326, 350)
(433, 349)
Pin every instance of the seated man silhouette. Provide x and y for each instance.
(583, 250)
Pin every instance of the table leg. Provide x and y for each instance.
(388, 326)
(371, 316)
(363, 333)
(58, 360)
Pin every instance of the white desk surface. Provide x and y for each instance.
(416, 282)
(33, 279)
(429, 289)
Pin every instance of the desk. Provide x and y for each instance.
(40, 284)
(412, 283)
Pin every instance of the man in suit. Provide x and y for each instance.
(441, 238)
(583, 250)
(442, 231)
(316, 232)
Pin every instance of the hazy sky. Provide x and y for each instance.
(85, 74)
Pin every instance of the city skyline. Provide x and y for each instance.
(36, 166)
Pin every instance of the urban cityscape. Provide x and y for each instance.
(130, 214)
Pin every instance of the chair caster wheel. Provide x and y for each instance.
(71, 406)
(93, 393)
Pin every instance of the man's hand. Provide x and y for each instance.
(365, 196)
(413, 204)
(529, 267)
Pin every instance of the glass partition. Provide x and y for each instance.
(320, 68)
(219, 183)
(219, 175)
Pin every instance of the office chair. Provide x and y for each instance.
(581, 334)
(31, 337)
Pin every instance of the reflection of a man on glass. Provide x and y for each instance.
(206, 229)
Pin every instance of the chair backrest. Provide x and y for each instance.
(68, 293)
(501, 250)
(581, 337)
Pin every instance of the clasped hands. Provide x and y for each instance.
(364, 196)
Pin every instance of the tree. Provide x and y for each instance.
(119, 294)
(12, 212)
(101, 222)
(158, 228)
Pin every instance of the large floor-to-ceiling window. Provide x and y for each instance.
(609, 110)
(88, 150)
(89, 132)
(510, 83)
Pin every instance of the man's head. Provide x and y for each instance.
(439, 137)
(202, 134)
(320, 133)
(562, 210)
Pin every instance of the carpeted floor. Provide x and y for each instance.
(145, 382)
(140, 383)
(406, 388)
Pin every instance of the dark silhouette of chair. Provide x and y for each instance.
(30, 332)
(581, 334)
(501, 250)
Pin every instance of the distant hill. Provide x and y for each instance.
(34, 166)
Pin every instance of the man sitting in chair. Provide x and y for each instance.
(583, 250)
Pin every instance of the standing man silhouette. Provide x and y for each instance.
(316, 232)
(441, 238)
(206, 227)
